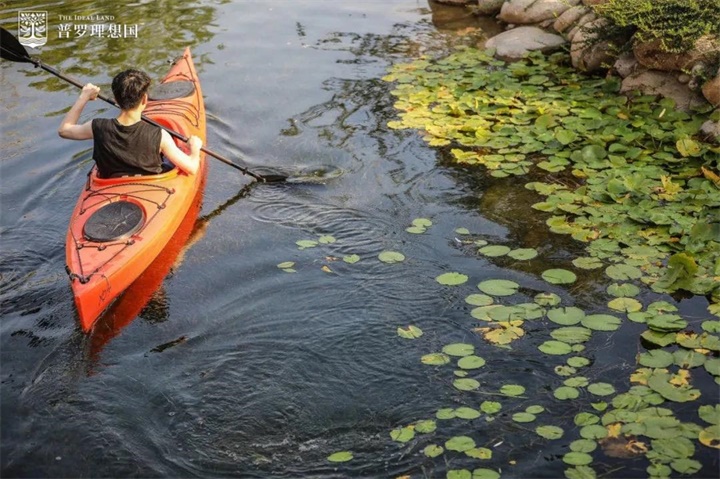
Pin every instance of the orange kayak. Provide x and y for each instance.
(120, 225)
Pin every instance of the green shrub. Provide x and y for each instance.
(676, 23)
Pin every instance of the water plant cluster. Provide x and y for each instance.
(637, 418)
(625, 175)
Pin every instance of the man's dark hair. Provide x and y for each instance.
(129, 87)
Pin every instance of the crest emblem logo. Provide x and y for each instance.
(32, 28)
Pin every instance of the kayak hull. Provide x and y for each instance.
(100, 271)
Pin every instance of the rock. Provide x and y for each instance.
(533, 11)
(569, 17)
(626, 65)
(516, 43)
(651, 55)
(571, 34)
(711, 131)
(587, 55)
(711, 91)
(592, 3)
(684, 78)
(454, 2)
(587, 18)
(656, 82)
(489, 7)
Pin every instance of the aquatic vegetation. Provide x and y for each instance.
(623, 175)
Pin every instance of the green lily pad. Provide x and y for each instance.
(601, 389)
(523, 417)
(577, 382)
(491, 407)
(586, 419)
(391, 257)
(351, 259)
(498, 287)
(593, 431)
(555, 348)
(628, 305)
(422, 222)
(688, 359)
(656, 358)
(479, 300)
(326, 239)
(466, 384)
(460, 443)
(467, 413)
(534, 409)
(583, 445)
(286, 264)
(567, 316)
(559, 276)
(435, 359)
(445, 413)
(549, 432)
(342, 456)
(601, 322)
(458, 474)
(572, 334)
(483, 473)
(523, 254)
(483, 312)
(710, 436)
(577, 458)
(471, 362)
(578, 362)
(416, 230)
(623, 290)
(623, 272)
(494, 251)
(411, 332)
(305, 244)
(479, 453)
(459, 349)
(580, 472)
(587, 263)
(426, 426)
(686, 466)
(433, 450)
(512, 390)
(462, 231)
(547, 299)
(403, 434)
(566, 392)
(664, 323)
(451, 279)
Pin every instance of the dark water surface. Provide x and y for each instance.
(271, 371)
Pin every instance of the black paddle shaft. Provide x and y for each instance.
(11, 49)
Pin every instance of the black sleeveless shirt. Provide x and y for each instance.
(120, 150)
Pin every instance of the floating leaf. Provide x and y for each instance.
(656, 358)
(555, 348)
(479, 300)
(304, 244)
(460, 443)
(403, 434)
(580, 472)
(688, 359)
(567, 316)
(342, 456)
(583, 445)
(623, 272)
(351, 259)
(494, 251)
(523, 254)
(435, 359)
(547, 299)
(422, 222)
(549, 432)
(593, 431)
(523, 417)
(411, 332)
(577, 382)
(467, 413)
(578, 362)
(416, 230)
(577, 458)
(498, 287)
(491, 407)
(710, 436)
(623, 290)
(458, 474)
(479, 453)
(601, 322)
(425, 427)
(462, 231)
(466, 384)
(512, 390)
(471, 362)
(286, 265)
(534, 409)
(327, 239)
(566, 392)
(572, 334)
(585, 419)
(601, 389)
(559, 276)
(627, 305)
(433, 450)
(391, 257)
(459, 349)
(483, 473)
(445, 413)
(688, 147)
(686, 466)
(587, 263)
(451, 279)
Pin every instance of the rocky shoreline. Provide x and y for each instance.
(549, 25)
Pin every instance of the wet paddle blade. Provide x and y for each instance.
(10, 48)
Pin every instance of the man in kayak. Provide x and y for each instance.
(126, 145)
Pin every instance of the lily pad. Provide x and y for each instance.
(601, 389)
(451, 279)
(422, 222)
(623, 272)
(566, 392)
(583, 445)
(479, 300)
(494, 251)
(460, 443)
(490, 407)
(483, 473)
(471, 362)
(577, 458)
(479, 453)
(587, 263)
(623, 290)
(571, 334)
(342, 456)
(601, 322)
(534, 409)
(286, 264)
(351, 259)
(549, 432)
(512, 390)
(559, 276)
(557, 348)
(578, 361)
(326, 239)
(435, 359)
(391, 257)
(403, 434)
(523, 254)
(305, 244)
(567, 316)
(462, 231)
(523, 417)
(547, 299)
(628, 305)
(459, 349)
(467, 413)
(499, 287)
(593, 431)
(433, 450)
(656, 358)
(411, 332)
(426, 426)
(466, 384)
(710, 436)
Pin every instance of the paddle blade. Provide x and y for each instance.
(10, 48)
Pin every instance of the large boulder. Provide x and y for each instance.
(656, 82)
(454, 2)
(533, 11)
(516, 43)
(569, 18)
(489, 7)
(587, 54)
(651, 54)
(626, 65)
